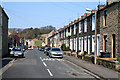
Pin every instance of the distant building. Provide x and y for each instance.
(9, 39)
(29, 42)
(47, 41)
(3, 33)
(42, 39)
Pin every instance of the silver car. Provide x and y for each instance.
(17, 52)
(55, 52)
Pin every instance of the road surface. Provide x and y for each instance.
(37, 65)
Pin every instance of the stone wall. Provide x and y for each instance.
(118, 53)
(0, 33)
(4, 34)
(107, 63)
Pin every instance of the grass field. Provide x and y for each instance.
(37, 43)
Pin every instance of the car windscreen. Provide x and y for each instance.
(17, 49)
(48, 48)
(55, 49)
(23, 47)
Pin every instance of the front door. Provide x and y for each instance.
(113, 45)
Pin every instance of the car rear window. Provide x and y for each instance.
(42, 47)
(55, 49)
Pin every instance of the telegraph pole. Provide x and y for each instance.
(95, 60)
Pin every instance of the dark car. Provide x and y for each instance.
(46, 51)
(23, 48)
(42, 48)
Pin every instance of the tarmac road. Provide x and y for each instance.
(37, 65)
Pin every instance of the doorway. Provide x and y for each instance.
(105, 43)
(113, 46)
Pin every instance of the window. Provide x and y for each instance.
(64, 33)
(70, 30)
(93, 44)
(105, 43)
(60, 35)
(93, 22)
(74, 44)
(105, 18)
(85, 44)
(85, 25)
(79, 43)
(80, 27)
(74, 28)
(56, 49)
(89, 44)
(98, 44)
(71, 43)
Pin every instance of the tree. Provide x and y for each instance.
(63, 47)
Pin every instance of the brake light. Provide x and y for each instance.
(45, 48)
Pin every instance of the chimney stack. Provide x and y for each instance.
(100, 6)
(109, 2)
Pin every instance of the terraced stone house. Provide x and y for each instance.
(81, 36)
(3, 33)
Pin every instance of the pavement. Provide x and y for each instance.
(5, 64)
(6, 61)
(99, 70)
(37, 65)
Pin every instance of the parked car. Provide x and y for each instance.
(55, 52)
(42, 48)
(46, 51)
(17, 52)
(30, 48)
(23, 48)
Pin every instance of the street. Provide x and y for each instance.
(37, 65)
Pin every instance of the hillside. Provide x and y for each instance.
(31, 33)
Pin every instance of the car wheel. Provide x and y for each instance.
(49, 55)
(61, 57)
(23, 56)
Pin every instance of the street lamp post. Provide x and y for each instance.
(95, 55)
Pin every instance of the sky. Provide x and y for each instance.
(39, 14)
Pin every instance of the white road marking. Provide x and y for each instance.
(41, 59)
(49, 72)
(50, 59)
(44, 64)
(60, 59)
